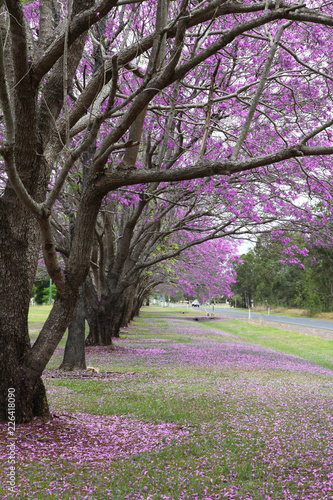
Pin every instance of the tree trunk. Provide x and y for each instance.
(91, 318)
(118, 316)
(127, 317)
(74, 356)
(137, 306)
(100, 333)
(109, 320)
(19, 244)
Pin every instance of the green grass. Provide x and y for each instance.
(309, 347)
(36, 319)
(38, 314)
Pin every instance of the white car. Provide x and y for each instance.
(195, 303)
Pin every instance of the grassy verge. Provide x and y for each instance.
(312, 348)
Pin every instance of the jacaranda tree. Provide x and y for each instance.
(235, 89)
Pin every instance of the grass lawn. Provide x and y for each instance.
(284, 311)
(312, 348)
(185, 409)
(38, 313)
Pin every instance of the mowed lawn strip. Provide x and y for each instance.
(236, 420)
(309, 347)
(38, 313)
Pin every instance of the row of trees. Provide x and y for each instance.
(127, 142)
(269, 276)
(140, 242)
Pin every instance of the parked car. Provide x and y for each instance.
(195, 303)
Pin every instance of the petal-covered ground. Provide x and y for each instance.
(181, 411)
(93, 440)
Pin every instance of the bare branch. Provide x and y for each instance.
(274, 45)
(104, 75)
(19, 40)
(5, 101)
(208, 111)
(152, 88)
(113, 88)
(113, 180)
(79, 24)
(65, 72)
(45, 22)
(317, 131)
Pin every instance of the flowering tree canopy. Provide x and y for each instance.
(203, 271)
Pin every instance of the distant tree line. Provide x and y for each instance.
(268, 278)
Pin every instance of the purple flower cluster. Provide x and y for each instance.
(93, 440)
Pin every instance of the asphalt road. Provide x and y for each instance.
(289, 320)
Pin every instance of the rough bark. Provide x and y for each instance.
(109, 319)
(19, 243)
(74, 355)
(128, 306)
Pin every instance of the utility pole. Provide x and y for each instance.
(50, 294)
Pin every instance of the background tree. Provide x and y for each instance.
(203, 271)
(286, 273)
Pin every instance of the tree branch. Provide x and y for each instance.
(269, 61)
(79, 24)
(45, 22)
(113, 180)
(104, 75)
(19, 40)
(208, 111)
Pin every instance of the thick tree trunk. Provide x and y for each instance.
(137, 306)
(91, 318)
(99, 333)
(127, 316)
(21, 366)
(19, 244)
(118, 316)
(109, 319)
(35, 360)
(74, 355)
